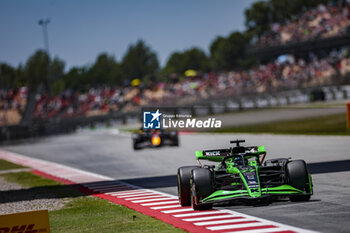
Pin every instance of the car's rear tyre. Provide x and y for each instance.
(136, 146)
(201, 187)
(298, 177)
(183, 184)
(175, 139)
(175, 142)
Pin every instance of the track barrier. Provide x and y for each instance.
(348, 115)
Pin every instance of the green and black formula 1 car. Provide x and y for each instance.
(242, 175)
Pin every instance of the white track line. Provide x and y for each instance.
(222, 221)
(165, 207)
(151, 196)
(210, 217)
(198, 214)
(268, 222)
(266, 230)
(160, 203)
(155, 199)
(126, 193)
(40, 164)
(115, 193)
(143, 197)
(177, 211)
(138, 195)
(237, 226)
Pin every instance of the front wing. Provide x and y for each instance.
(232, 195)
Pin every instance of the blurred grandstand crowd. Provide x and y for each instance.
(281, 74)
(12, 105)
(321, 22)
(261, 79)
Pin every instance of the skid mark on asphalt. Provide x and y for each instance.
(159, 205)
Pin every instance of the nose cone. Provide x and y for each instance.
(155, 140)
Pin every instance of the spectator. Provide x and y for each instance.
(321, 22)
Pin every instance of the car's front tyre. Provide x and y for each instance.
(136, 145)
(298, 177)
(201, 187)
(183, 184)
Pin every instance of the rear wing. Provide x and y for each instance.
(218, 155)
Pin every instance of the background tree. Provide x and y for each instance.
(140, 62)
(283, 10)
(11, 77)
(56, 74)
(193, 58)
(105, 71)
(56, 69)
(40, 70)
(258, 18)
(75, 78)
(36, 70)
(229, 53)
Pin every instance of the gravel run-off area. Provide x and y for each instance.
(14, 198)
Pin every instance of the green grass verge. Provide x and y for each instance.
(29, 180)
(86, 213)
(4, 165)
(323, 125)
(90, 214)
(129, 130)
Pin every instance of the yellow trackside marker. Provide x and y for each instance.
(348, 114)
(25, 222)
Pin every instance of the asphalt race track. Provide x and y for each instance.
(110, 153)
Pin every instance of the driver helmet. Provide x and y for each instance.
(239, 161)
